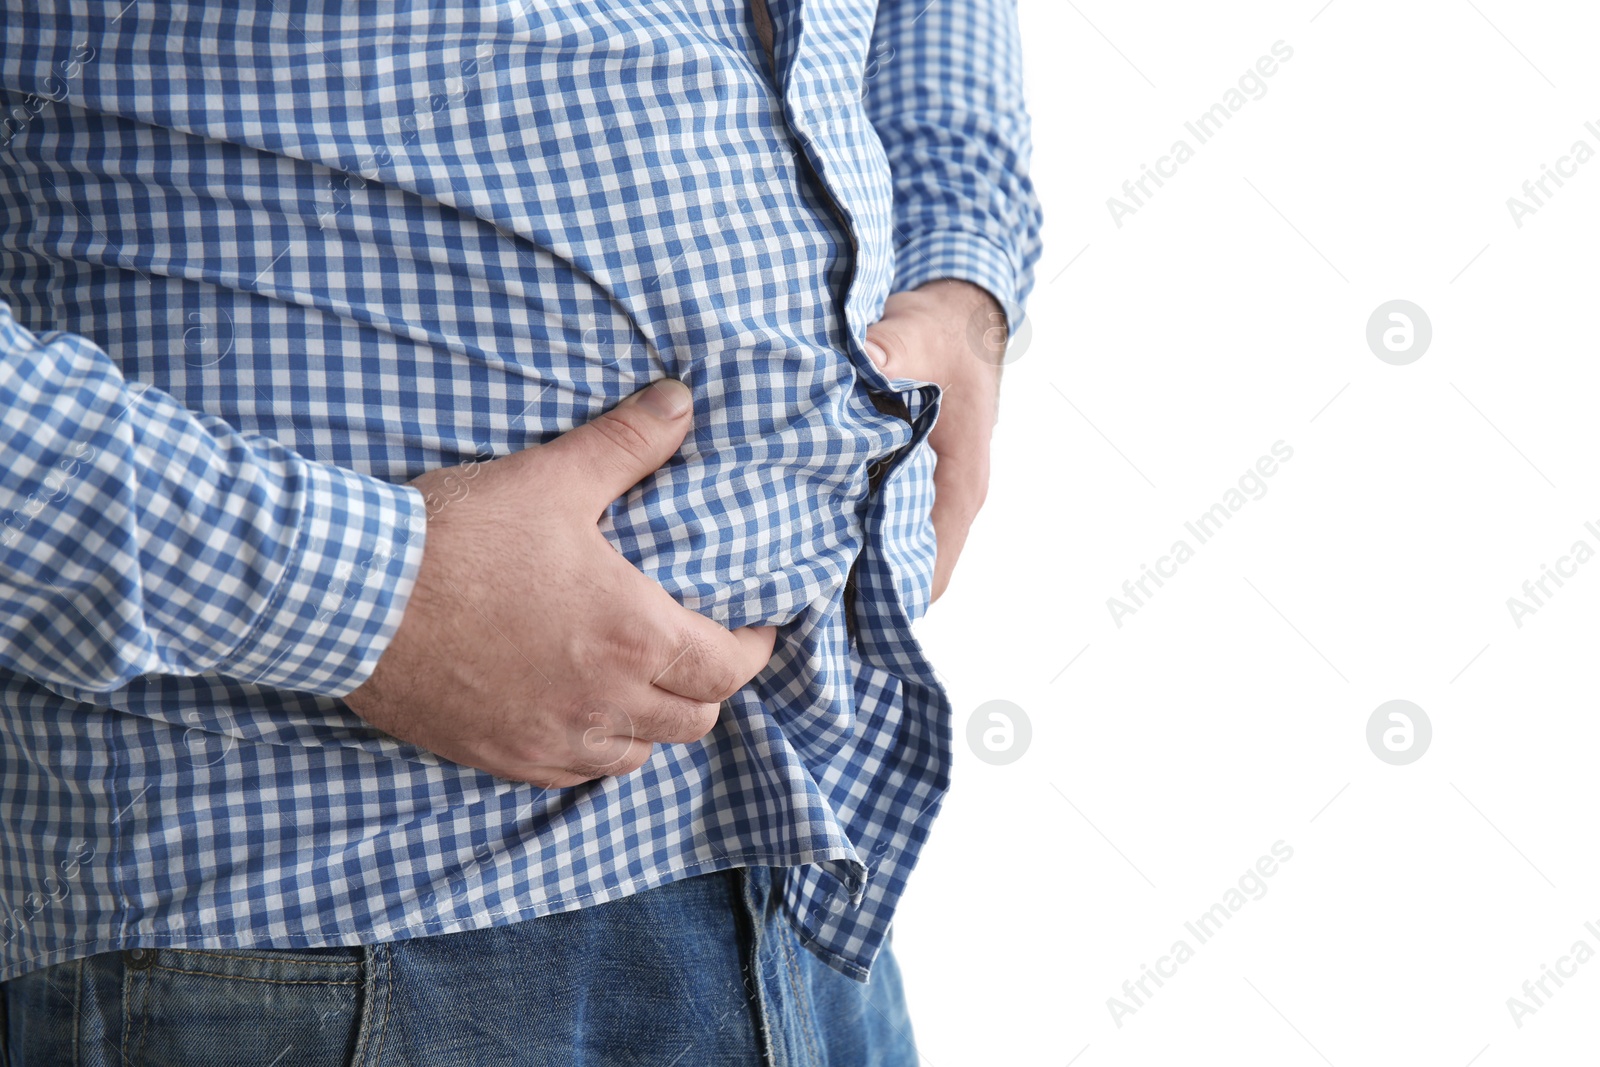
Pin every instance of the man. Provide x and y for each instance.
(468, 477)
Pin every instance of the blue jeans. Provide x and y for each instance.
(699, 973)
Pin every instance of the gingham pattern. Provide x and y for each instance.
(301, 255)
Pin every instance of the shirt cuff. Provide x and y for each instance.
(345, 588)
(964, 257)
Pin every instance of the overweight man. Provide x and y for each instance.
(468, 472)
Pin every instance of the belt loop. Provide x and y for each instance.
(376, 992)
(761, 947)
(5, 1027)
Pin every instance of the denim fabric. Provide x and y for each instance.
(702, 972)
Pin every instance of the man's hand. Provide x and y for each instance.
(951, 333)
(531, 648)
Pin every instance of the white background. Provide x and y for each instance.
(1230, 711)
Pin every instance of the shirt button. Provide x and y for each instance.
(139, 959)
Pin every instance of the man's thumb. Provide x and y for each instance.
(609, 455)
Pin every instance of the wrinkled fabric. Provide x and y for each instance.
(268, 261)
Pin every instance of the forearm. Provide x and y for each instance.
(944, 93)
(137, 537)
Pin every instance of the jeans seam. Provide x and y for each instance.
(5, 1029)
(363, 1015)
(144, 1018)
(216, 954)
(388, 995)
(127, 1013)
(751, 913)
(81, 973)
(74, 996)
(264, 981)
(802, 1003)
(134, 986)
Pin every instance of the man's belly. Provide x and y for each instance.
(426, 289)
(467, 273)
(392, 271)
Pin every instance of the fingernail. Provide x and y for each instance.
(667, 398)
(877, 354)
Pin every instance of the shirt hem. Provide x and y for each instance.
(190, 938)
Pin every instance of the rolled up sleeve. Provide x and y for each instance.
(944, 92)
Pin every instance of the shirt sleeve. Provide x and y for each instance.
(139, 537)
(944, 91)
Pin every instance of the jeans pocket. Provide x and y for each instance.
(249, 1007)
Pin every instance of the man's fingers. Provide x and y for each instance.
(612, 757)
(755, 648)
(712, 663)
(885, 349)
(900, 347)
(668, 719)
(607, 456)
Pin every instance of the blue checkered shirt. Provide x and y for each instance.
(266, 261)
